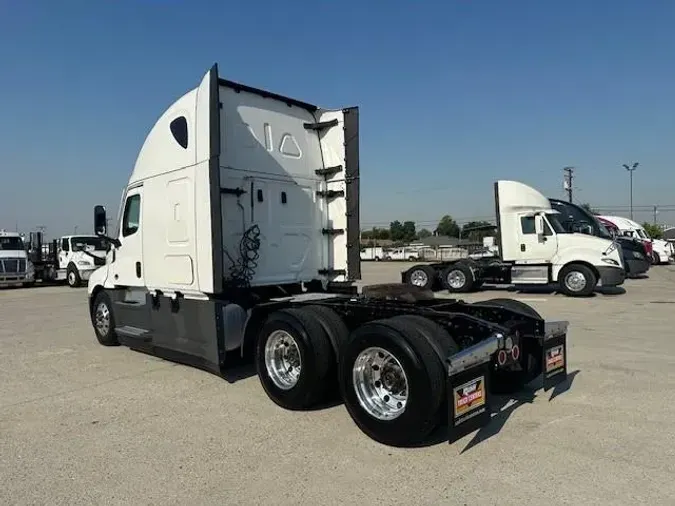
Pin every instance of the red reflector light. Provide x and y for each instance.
(515, 352)
(501, 357)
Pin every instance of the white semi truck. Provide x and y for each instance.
(71, 258)
(661, 251)
(239, 232)
(534, 249)
(15, 266)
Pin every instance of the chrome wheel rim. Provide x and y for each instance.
(419, 278)
(71, 277)
(282, 359)
(380, 383)
(102, 318)
(575, 281)
(456, 279)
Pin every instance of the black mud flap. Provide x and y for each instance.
(555, 353)
(469, 389)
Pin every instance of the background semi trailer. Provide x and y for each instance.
(534, 249)
(239, 233)
(576, 219)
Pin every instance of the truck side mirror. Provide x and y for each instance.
(582, 228)
(100, 221)
(539, 224)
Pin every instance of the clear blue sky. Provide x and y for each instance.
(453, 94)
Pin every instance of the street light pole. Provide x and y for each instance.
(631, 169)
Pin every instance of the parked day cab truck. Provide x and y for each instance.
(574, 218)
(239, 231)
(535, 249)
(661, 251)
(71, 258)
(15, 267)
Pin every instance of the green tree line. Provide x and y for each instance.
(407, 231)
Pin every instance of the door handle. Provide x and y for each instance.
(138, 269)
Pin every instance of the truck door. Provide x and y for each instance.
(536, 248)
(64, 251)
(131, 305)
(127, 269)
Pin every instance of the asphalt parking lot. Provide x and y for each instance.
(84, 424)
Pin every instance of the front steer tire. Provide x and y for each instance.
(567, 275)
(73, 277)
(302, 329)
(424, 373)
(103, 320)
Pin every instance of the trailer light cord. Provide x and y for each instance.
(243, 268)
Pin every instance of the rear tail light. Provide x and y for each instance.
(515, 352)
(501, 357)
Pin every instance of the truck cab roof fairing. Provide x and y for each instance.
(518, 197)
(172, 142)
(162, 150)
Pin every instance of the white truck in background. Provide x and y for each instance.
(239, 235)
(375, 253)
(661, 251)
(71, 258)
(534, 249)
(401, 254)
(15, 266)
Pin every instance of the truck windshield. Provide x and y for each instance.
(554, 221)
(11, 244)
(576, 218)
(643, 234)
(87, 243)
(603, 231)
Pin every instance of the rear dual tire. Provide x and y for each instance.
(390, 377)
(393, 381)
(460, 278)
(421, 276)
(295, 358)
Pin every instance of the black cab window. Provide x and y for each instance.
(132, 215)
(527, 225)
(64, 244)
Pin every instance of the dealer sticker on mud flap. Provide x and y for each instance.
(469, 399)
(555, 361)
